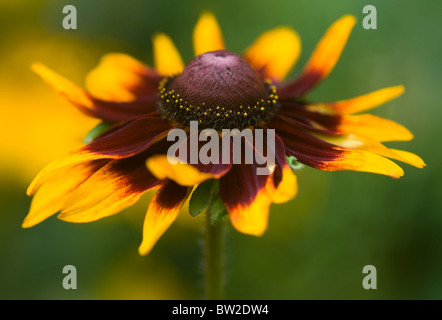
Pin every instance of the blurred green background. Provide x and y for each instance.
(316, 245)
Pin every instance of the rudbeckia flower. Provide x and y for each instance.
(219, 89)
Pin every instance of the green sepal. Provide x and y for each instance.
(201, 197)
(294, 163)
(95, 132)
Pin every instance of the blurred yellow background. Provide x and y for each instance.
(316, 245)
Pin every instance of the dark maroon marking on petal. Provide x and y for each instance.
(305, 147)
(280, 161)
(305, 124)
(215, 169)
(298, 113)
(241, 185)
(149, 85)
(93, 167)
(296, 109)
(133, 173)
(96, 165)
(220, 168)
(131, 139)
(301, 85)
(115, 127)
(133, 170)
(171, 195)
(117, 111)
(277, 176)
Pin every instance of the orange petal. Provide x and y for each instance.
(207, 35)
(167, 58)
(358, 104)
(118, 77)
(162, 212)
(330, 47)
(375, 127)
(182, 173)
(275, 52)
(51, 196)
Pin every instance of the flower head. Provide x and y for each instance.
(218, 90)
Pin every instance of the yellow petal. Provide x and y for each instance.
(358, 104)
(374, 127)
(410, 158)
(253, 218)
(275, 52)
(51, 196)
(287, 188)
(358, 160)
(167, 58)
(63, 86)
(207, 35)
(80, 208)
(86, 103)
(353, 141)
(107, 192)
(60, 164)
(330, 47)
(162, 212)
(182, 173)
(124, 146)
(115, 78)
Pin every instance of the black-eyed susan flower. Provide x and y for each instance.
(218, 89)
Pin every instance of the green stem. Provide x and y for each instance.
(213, 258)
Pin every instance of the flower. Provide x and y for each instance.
(218, 89)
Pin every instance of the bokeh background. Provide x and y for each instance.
(316, 245)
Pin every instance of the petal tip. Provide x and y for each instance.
(396, 171)
(251, 219)
(37, 66)
(144, 250)
(31, 190)
(400, 89)
(348, 19)
(27, 224)
(207, 14)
